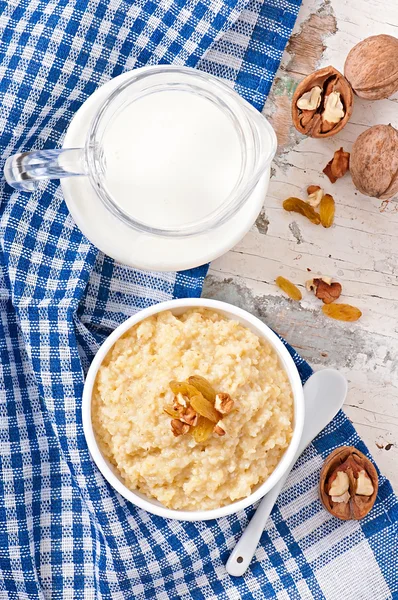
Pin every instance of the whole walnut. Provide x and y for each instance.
(371, 67)
(374, 162)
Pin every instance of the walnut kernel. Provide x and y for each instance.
(224, 403)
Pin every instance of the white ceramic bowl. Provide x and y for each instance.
(178, 307)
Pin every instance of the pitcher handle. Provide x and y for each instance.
(24, 171)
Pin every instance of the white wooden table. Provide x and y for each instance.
(360, 250)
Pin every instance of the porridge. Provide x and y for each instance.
(132, 391)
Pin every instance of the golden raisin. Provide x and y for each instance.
(301, 207)
(205, 408)
(183, 388)
(342, 312)
(172, 412)
(203, 386)
(203, 430)
(289, 288)
(326, 210)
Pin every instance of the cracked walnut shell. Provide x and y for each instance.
(371, 67)
(322, 103)
(338, 166)
(348, 484)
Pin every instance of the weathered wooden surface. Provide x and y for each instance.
(360, 251)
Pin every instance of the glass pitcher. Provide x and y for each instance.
(170, 152)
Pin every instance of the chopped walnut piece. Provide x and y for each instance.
(315, 195)
(310, 286)
(189, 416)
(327, 292)
(326, 279)
(180, 404)
(324, 289)
(180, 400)
(338, 166)
(312, 188)
(219, 428)
(178, 427)
(224, 403)
(197, 408)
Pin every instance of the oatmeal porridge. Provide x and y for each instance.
(133, 430)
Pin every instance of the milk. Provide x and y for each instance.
(171, 158)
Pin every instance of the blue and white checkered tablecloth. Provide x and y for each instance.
(64, 533)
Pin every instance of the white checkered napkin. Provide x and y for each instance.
(64, 533)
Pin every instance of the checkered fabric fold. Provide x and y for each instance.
(64, 533)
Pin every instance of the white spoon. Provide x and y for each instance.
(324, 395)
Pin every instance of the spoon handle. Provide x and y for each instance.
(324, 395)
(241, 556)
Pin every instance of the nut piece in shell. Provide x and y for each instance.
(310, 100)
(374, 162)
(333, 111)
(360, 471)
(335, 104)
(338, 166)
(371, 67)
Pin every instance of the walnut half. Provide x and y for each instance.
(348, 484)
(322, 103)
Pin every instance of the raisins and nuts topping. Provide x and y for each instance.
(198, 409)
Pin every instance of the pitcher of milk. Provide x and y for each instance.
(162, 168)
